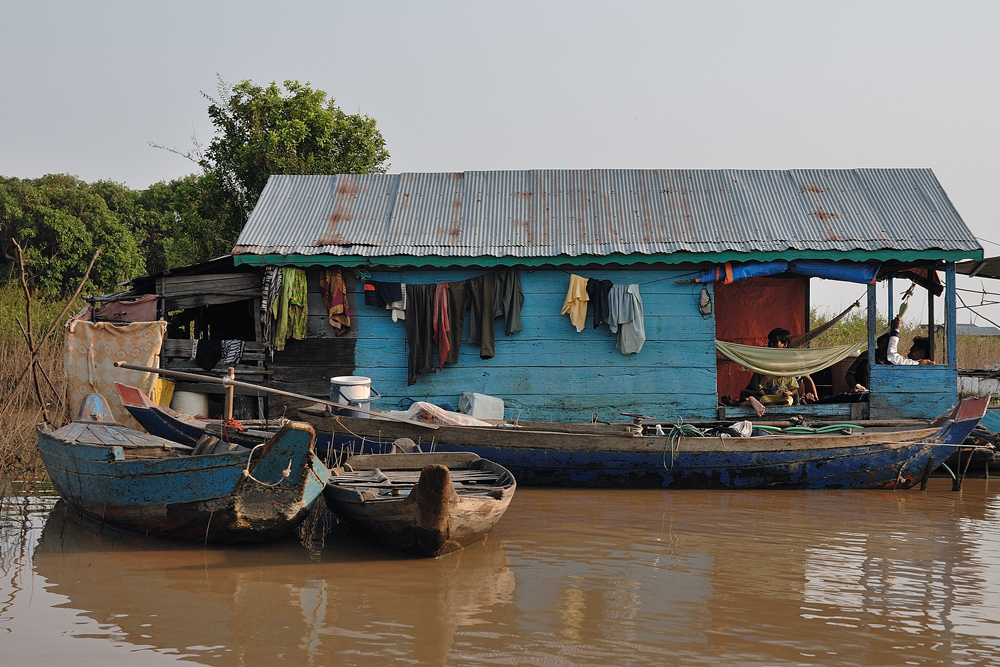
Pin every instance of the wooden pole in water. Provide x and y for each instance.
(927, 473)
(230, 391)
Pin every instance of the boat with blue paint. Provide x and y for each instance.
(893, 455)
(580, 455)
(212, 492)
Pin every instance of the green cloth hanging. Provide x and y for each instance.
(785, 361)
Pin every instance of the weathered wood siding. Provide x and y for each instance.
(549, 371)
(912, 392)
(306, 366)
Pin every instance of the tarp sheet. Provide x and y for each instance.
(746, 311)
(733, 272)
(851, 272)
(89, 355)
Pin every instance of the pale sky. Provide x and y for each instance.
(458, 86)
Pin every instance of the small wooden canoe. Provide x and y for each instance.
(426, 504)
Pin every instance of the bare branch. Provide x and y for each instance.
(55, 324)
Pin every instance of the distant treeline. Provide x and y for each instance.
(60, 220)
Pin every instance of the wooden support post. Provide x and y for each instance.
(950, 301)
(961, 477)
(927, 473)
(930, 323)
(230, 390)
(891, 301)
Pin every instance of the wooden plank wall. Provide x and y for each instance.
(549, 371)
(306, 366)
(912, 392)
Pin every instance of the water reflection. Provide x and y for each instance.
(569, 577)
(255, 605)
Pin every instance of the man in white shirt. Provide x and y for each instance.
(918, 353)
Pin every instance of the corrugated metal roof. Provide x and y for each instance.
(599, 212)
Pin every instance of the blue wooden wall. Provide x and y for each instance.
(912, 392)
(549, 371)
(915, 392)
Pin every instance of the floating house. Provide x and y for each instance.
(681, 237)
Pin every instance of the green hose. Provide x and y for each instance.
(949, 471)
(831, 428)
(673, 441)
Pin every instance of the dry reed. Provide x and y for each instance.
(20, 411)
(21, 407)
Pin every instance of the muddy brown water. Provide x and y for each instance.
(569, 577)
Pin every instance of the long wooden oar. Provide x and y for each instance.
(229, 382)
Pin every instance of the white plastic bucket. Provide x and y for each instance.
(352, 391)
(190, 403)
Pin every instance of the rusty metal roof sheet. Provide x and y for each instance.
(599, 212)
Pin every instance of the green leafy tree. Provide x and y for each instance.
(265, 131)
(187, 221)
(60, 221)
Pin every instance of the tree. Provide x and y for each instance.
(186, 222)
(260, 132)
(60, 221)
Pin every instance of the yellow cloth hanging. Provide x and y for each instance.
(576, 301)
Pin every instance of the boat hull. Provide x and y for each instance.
(195, 497)
(878, 460)
(436, 516)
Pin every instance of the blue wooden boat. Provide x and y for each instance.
(172, 425)
(213, 492)
(991, 420)
(599, 456)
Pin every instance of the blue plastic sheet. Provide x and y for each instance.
(851, 272)
(743, 271)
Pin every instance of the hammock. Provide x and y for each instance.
(786, 362)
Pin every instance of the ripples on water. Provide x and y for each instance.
(569, 577)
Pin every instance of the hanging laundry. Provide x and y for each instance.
(442, 324)
(209, 353)
(597, 291)
(398, 308)
(378, 293)
(270, 293)
(419, 330)
(482, 301)
(142, 309)
(619, 307)
(291, 310)
(509, 299)
(631, 331)
(232, 352)
(576, 301)
(458, 303)
(334, 291)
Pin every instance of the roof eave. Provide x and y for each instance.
(618, 259)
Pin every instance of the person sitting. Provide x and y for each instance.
(769, 389)
(857, 375)
(919, 351)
